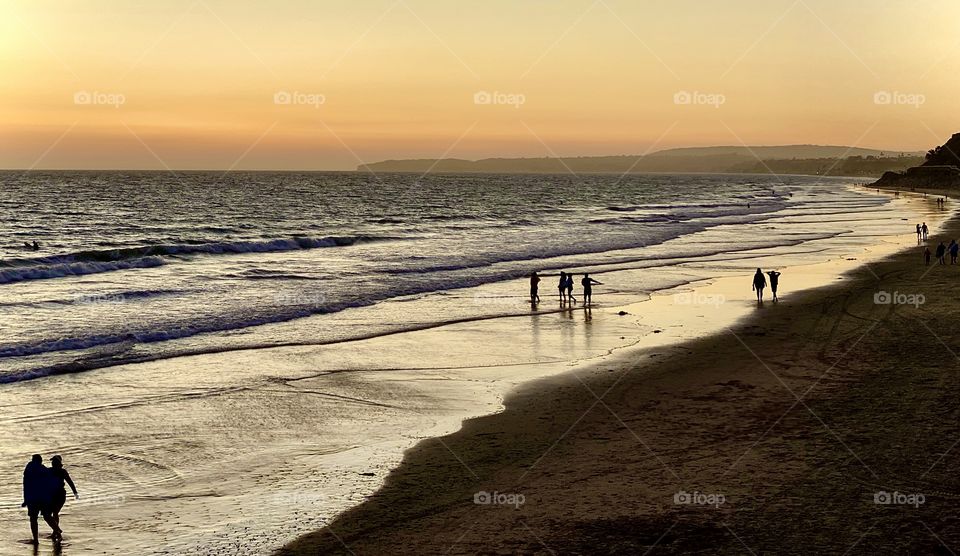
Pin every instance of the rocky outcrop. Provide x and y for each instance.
(941, 169)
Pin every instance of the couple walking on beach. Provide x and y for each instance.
(760, 282)
(566, 289)
(942, 250)
(44, 493)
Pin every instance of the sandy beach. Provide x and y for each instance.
(823, 424)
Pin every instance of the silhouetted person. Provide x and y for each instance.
(587, 284)
(759, 282)
(954, 251)
(36, 495)
(569, 289)
(36, 245)
(919, 234)
(774, 281)
(562, 286)
(926, 231)
(926, 256)
(534, 287)
(941, 251)
(59, 477)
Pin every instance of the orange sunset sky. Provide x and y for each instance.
(328, 84)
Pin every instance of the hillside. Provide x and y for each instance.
(806, 159)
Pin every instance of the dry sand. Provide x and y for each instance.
(798, 417)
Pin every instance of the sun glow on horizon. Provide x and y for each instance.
(329, 85)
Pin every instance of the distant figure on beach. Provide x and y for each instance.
(926, 256)
(37, 496)
(60, 477)
(569, 288)
(941, 251)
(926, 231)
(774, 281)
(954, 249)
(759, 282)
(562, 286)
(587, 284)
(534, 288)
(919, 234)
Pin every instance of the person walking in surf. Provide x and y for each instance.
(562, 286)
(759, 283)
(569, 288)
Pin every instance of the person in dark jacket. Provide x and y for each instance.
(37, 496)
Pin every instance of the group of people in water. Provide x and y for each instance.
(565, 286)
(44, 494)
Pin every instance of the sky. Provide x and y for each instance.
(327, 85)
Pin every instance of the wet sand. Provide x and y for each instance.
(785, 433)
(241, 452)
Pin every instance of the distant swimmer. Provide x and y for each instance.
(562, 286)
(587, 284)
(534, 287)
(774, 281)
(759, 283)
(569, 289)
(35, 246)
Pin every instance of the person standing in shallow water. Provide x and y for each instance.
(569, 288)
(919, 234)
(562, 286)
(534, 288)
(759, 283)
(587, 284)
(774, 282)
(925, 230)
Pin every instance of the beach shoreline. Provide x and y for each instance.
(581, 429)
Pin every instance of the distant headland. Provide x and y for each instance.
(940, 168)
(788, 159)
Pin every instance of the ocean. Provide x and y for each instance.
(226, 361)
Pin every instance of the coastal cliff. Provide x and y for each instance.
(941, 169)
